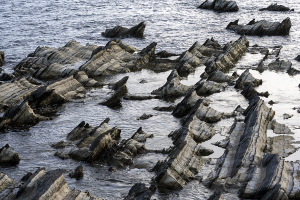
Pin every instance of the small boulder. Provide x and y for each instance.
(7, 156)
(144, 116)
(119, 31)
(78, 173)
(59, 145)
(276, 7)
(139, 191)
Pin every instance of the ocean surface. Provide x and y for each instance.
(175, 25)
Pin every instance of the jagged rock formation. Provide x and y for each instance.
(277, 65)
(246, 168)
(1, 58)
(217, 195)
(120, 83)
(20, 115)
(118, 57)
(220, 77)
(119, 31)
(140, 192)
(184, 161)
(40, 185)
(206, 88)
(231, 53)
(144, 116)
(7, 156)
(101, 143)
(165, 54)
(115, 100)
(276, 7)
(78, 173)
(249, 91)
(15, 91)
(261, 27)
(246, 79)
(53, 63)
(220, 6)
(173, 87)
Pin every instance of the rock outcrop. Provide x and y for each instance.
(1, 58)
(115, 100)
(78, 173)
(8, 157)
(247, 168)
(262, 27)
(54, 63)
(276, 7)
(246, 79)
(220, 77)
(118, 57)
(40, 185)
(119, 31)
(184, 161)
(140, 192)
(220, 6)
(276, 65)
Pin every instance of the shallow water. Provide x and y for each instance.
(175, 26)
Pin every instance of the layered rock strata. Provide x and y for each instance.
(246, 168)
(246, 79)
(261, 27)
(220, 6)
(40, 185)
(119, 31)
(184, 161)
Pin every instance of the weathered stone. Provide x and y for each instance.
(139, 192)
(297, 58)
(78, 173)
(1, 58)
(220, 6)
(139, 98)
(232, 52)
(261, 27)
(59, 145)
(6, 77)
(117, 57)
(165, 54)
(119, 31)
(54, 63)
(115, 99)
(220, 77)
(145, 116)
(245, 79)
(141, 135)
(20, 115)
(168, 108)
(287, 116)
(41, 185)
(120, 83)
(217, 195)
(249, 91)
(173, 87)
(203, 151)
(7, 156)
(280, 145)
(206, 88)
(275, 7)
(279, 128)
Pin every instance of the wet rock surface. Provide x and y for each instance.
(261, 27)
(40, 185)
(220, 5)
(139, 191)
(119, 31)
(78, 173)
(276, 7)
(1, 58)
(8, 157)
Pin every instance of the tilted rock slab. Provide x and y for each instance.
(118, 57)
(42, 186)
(119, 31)
(220, 5)
(246, 79)
(55, 63)
(220, 77)
(262, 27)
(184, 161)
(246, 168)
(232, 52)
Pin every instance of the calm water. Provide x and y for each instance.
(175, 26)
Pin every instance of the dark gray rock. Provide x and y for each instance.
(8, 157)
(59, 145)
(245, 79)
(249, 91)
(78, 173)
(220, 6)
(1, 58)
(119, 31)
(262, 27)
(145, 116)
(165, 54)
(276, 7)
(139, 192)
(115, 100)
(120, 83)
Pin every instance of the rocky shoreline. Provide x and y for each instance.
(253, 164)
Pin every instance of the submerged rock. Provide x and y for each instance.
(261, 27)
(165, 54)
(276, 7)
(144, 116)
(59, 145)
(119, 31)
(1, 58)
(8, 157)
(41, 185)
(220, 5)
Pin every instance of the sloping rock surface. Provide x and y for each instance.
(119, 31)
(220, 5)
